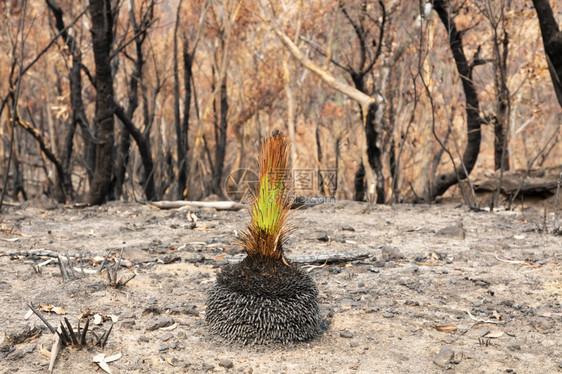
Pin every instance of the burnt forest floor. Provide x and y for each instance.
(441, 287)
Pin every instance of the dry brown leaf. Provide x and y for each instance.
(46, 308)
(84, 314)
(58, 310)
(446, 328)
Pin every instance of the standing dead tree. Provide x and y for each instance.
(224, 17)
(78, 113)
(443, 181)
(495, 14)
(372, 108)
(61, 164)
(552, 40)
(125, 115)
(362, 25)
(182, 124)
(102, 40)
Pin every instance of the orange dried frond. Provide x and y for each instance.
(268, 227)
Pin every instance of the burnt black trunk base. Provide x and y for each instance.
(255, 302)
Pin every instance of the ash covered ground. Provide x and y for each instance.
(424, 288)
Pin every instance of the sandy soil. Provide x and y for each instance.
(429, 266)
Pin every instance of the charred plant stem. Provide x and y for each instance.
(71, 332)
(127, 281)
(38, 314)
(83, 336)
(71, 265)
(78, 333)
(104, 261)
(105, 336)
(63, 271)
(66, 338)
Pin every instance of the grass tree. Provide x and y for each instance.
(265, 299)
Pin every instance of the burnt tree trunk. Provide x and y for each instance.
(374, 152)
(501, 155)
(124, 135)
(187, 75)
(359, 182)
(180, 138)
(182, 125)
(76, 102)
(220, 136)
(552, 40)
(102, 40)
(143, 142)
(473, 121)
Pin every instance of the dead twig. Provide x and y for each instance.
(484, 320)
(509, 261)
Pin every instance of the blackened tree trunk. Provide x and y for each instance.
(473, 121)
(187, 75)
(78, 113)
(180, 138)
(374, 152)
(121, 159)
(552, 40)
(359, 182)
(124, 141)
(143, 142)
(220, 135)
(182, 125)
(102, 39)
(501, 155)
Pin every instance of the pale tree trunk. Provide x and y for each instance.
(424, 157)
(291, 116)
(290, 91)
(370, 106)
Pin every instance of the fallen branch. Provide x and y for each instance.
(304, 259)
(47, 253)
(218, 205)
(320, 258)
